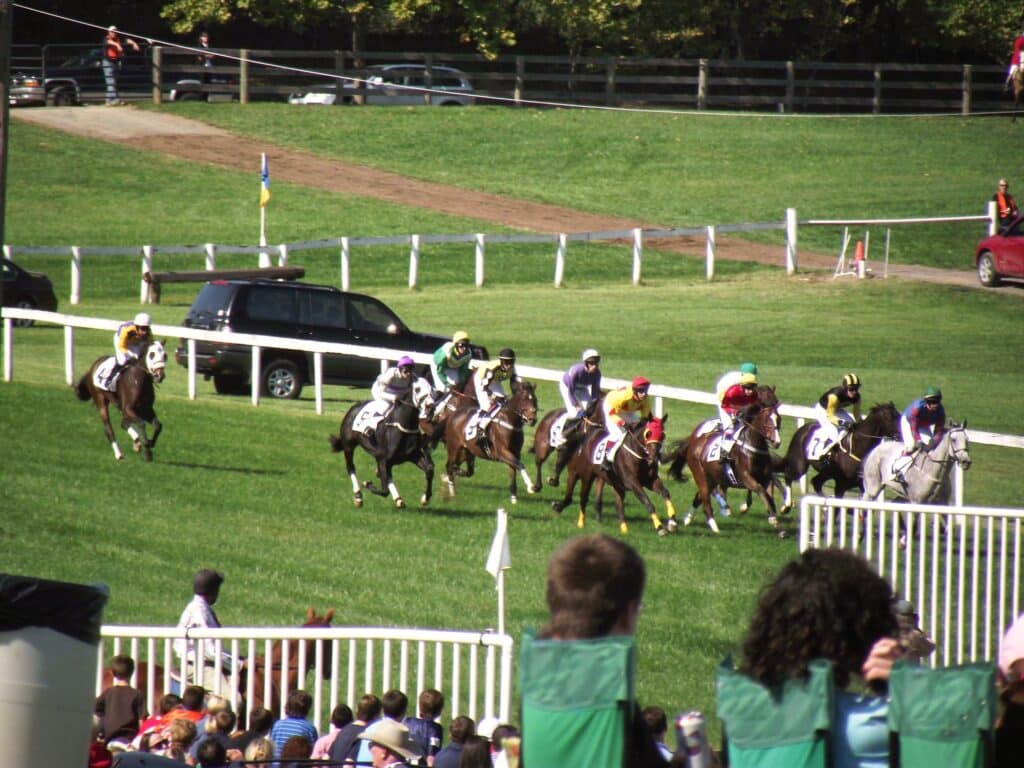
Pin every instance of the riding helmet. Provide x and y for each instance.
(590, 356)
(749, 368)
(748, 379)
(934, 394)
(207, 582)
(507, 354)
(142, 319)
(640, 383)
(851, 381)
(460, 336)
(406, 362)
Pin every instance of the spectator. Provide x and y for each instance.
(1010, 725)
(367, 710)
(198, 614)
(218, 728)
(211, 754)
(205, 58)
(502, 732)
(260, 722)
(175, 740)
(459, 731)
(340, 717)
(192, 707)
(424, 729)
(113, 52)
(393, 705)
(390, 744)
(260, 748)
(594, 587)
(658, 725)
(476, 753)
(294, 723)
(154, 723)
(830, 604)
(297, 749)
(99, 755)
(120, 708)
(1006, 206)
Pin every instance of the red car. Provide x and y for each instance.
(1001, 255)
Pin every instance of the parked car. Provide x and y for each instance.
(1001, 255)
(297, 311)
(27, 290)
(381, 87)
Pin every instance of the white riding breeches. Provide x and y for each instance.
(581, 396)
(927, 434)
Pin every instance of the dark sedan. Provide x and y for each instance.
(1001, 255)
(27, 290)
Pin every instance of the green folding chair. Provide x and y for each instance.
(776, 729)
(578, 701)
(942, 717)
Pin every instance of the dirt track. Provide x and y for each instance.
(201, 143)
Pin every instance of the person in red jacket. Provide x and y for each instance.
(1015, 59)
(1006, 206)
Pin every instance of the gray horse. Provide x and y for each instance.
(927, 479)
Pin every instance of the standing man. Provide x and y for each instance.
(113, 52)
(1006, 206)
(205, 59)
(198, 614)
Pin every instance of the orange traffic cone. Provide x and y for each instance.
(858, 258)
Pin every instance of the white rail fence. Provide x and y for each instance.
(334, 664)
(634, 237)
(960, 566)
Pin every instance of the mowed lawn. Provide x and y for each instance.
(257, 492)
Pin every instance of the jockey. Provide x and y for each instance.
(451, 363)
(1015, 59)
(925, 418)
(395, 381)
(581, 386)
(487, 381)
(830, 411)
(130, 340)
(626, 405)
(728, 380)
(732, 401)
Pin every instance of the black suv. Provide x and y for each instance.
(298, 311)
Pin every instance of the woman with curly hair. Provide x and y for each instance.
(830, 604)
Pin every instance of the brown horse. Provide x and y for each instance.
(503, 438)
(593, 418)
(134, 397)
(145, 673)
(635, 467)
(750, 456)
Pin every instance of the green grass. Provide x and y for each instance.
(257, 492)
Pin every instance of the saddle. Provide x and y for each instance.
(370, 416)
(102, 374)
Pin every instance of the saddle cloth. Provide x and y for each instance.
(706, 427)
(555, 436)
(369, 416)
(102, 373)
(472, 428)
(600, 450)
(713, 452)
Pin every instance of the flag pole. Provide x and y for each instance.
(501, 602)
(498, 560)
(264, 256)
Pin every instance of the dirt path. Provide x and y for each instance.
(200, 143)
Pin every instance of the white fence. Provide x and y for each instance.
(635, 237)
(335, 664)
(960, 566)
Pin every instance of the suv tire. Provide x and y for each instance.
(282, 380)
(229, 384)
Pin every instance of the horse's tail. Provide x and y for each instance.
(676, 460)
(82, 389)
(335, 441)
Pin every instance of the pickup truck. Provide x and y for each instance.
(72, 75)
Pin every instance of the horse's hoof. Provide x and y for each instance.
(773, 521)
(785, 510)
(744, 508)
(688, 519)
(713, 525)
(662, 531)
(533, 489)
(671, 526)
(137, 447)
(726, 511)
(557, 506)
(781, 534)
(400, 503)
(553, 482)
(424, 500)
(513, 499)
(147, 456)
(623, 529)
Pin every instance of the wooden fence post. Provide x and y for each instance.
(76, 273)
(609, 82)
(638, 251)
(243, 76)
(790, 85)
(157, 79)
(791, 232)
(69, 354)
(965, 101)
(414, 260)
(517, 92)
(709, 253)
(993, 217)
(480, 259)
(876, 96)
(282, 255)
(344, 263)
(702, 84)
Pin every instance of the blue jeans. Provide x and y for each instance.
(110, 75)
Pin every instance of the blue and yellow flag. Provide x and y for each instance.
(264, 183)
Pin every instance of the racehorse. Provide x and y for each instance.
(634, 468)
(752, 461)
(257, 666)
(845, 463)
(134, 396)
(397, 439)
(676, 458)
(927, 479)
(542, 448)
(504, 437)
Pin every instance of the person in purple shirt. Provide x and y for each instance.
(580, 388)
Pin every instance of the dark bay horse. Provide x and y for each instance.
(751, 458)
(267, 683)
(635, 468)
(593, 418)
(504, 438)
(135, 397)
(397, 439)
(844, 465)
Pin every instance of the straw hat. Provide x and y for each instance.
(394, 736)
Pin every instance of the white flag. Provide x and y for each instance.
(499, 558)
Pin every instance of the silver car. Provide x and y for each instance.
(395, 84)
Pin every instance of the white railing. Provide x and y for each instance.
(334, 664)
(634, 237)
(960, 566)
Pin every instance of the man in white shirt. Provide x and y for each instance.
(198, 614)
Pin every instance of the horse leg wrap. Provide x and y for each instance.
(393, 489)
(656, 520)
(581, 520)
(670, 508)
(623, 528)
(712, 524)
(117, 451)
(134, 433)
(530, 487)
(355, 482)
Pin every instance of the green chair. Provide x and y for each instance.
(942, 717)
(776, 729)
(578, 701)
